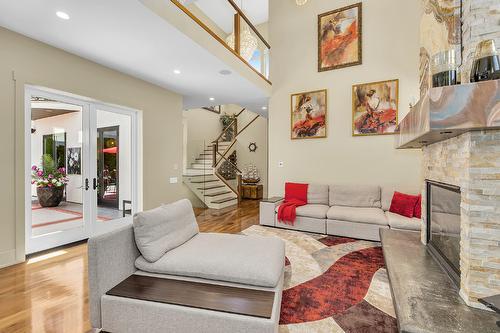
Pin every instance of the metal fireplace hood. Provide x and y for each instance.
(446, 112)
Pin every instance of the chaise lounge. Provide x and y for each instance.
(165, 243)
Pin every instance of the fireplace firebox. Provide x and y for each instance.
(443, 226)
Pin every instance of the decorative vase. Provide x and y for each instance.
(444, 69)
(486, 65)
(50, 196)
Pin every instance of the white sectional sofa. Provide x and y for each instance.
(356, 211)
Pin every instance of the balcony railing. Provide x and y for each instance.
(227, 23)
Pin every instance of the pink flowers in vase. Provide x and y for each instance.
(48, 175)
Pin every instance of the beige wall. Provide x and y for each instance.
(205, 126)
(390, 51)
(39, 64)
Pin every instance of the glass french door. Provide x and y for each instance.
(80, 168)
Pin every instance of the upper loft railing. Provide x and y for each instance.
(227, 23)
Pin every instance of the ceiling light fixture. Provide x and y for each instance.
(300, 2)
(264, 108)
(62, 15)
(248, 42)
(176, 71)
(212, 99)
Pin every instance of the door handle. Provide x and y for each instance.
(86, 184)
(94, 185)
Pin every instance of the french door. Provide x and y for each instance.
(81, 168)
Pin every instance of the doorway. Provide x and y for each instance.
(81, 169)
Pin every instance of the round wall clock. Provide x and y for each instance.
(252, 147)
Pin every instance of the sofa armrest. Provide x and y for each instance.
(111, 259)
(267, 210)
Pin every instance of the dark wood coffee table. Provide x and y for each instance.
(249, 302)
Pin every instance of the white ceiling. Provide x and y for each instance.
(222, 13)
(128, 37)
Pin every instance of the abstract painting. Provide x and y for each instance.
(375, 108)
(75, 161)
(339, 38)
(308, 114)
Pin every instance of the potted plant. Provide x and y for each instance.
(50, 182)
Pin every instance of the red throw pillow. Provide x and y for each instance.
(418, 207)
(403, 204)
(295, 191)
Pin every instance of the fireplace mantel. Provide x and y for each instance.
(447, 112)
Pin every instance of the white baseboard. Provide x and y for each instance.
(8, 258)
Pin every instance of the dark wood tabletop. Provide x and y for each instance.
(249, 302)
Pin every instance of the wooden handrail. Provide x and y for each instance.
(243, 16)
(224, 153)
(220, 40)
(229, 161)
(228, 126)
(218, 175)
(244, 128)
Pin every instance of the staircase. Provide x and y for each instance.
(203, 181)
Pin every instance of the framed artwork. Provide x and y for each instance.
(375, 108)
(339, 38)
(75, 161)
(215, 109)
(308, 115)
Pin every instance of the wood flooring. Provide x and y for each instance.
(48, 293)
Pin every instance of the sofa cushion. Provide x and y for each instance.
(397, 221)
(162, 229)
(317, 194)
(387, 192)
(403, 204)
(311, 210)
(355, 195)
(251, 260)
(357, 214)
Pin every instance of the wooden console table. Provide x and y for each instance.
(250, 191)
(248, 302)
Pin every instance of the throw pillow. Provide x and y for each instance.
(403, 204)
(418, 207)
(162, 229)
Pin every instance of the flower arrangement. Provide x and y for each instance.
(48, 175)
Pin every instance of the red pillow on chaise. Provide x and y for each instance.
(403, 204)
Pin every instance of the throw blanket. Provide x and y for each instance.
(295, 196)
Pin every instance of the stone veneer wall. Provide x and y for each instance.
(480, 21)
(472, 161)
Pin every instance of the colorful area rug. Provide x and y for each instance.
(332, 284)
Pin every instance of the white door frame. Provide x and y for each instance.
(100, 227)
(89, 166)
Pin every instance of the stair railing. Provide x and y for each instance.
(218, 157)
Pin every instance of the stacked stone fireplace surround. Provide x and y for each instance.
(472, 162)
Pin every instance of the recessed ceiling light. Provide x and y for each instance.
(264, 108)
(62, 15)
(176, 71)
(212, 99)
(225, 72)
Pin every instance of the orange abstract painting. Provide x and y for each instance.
(339, 38)
(309, 115)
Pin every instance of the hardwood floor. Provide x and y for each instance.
(48, 293)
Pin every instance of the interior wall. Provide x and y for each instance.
(25, 61)
(390, 51)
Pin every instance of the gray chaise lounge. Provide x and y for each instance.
(234, 260)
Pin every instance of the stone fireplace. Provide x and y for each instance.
(471, 161)
(458, 130)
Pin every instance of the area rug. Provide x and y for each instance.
(332, 284)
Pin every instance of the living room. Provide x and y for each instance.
(250, 166)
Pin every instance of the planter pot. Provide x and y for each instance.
(50, 196)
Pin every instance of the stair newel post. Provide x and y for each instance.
(238, 189)
(215, 149)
